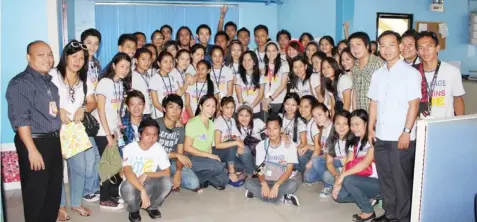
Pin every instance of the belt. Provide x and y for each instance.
(45, 135)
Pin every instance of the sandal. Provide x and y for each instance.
(63, 215)
(83, 211)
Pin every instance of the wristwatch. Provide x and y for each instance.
(406, 130)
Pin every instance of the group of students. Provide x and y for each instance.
(189, 115)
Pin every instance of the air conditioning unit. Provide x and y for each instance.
(437, 7)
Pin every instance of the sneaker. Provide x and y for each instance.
(118, 200)
(326, 192)
(97, 193)
(110, 205)
(91, 198)
(248, 194)
(293, 174)
(291, 199)
(134, 216)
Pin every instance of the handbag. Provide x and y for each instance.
(90, 123)
(73, 139)
(251, 142)
(368, 171)
(110, 164)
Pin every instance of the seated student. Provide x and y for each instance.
(317, 165)
(147, 172)
(275, 165)
(330, 165)
(229, 146)
(359, 183)
(136, 103)
(171, 138)
(306, 152)
(198, 145)
(247, 125)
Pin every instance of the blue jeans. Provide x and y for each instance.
(77, 171)
(92, 177)
(242, 162)
(319, 171)
(209, 170)
(303, 160)
(360, 190)
(189, 180)
(288, 187)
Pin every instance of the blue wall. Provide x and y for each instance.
(15, 38)
(314, 16)
(455, 15)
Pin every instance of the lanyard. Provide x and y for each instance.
(233, 68)
(258, 55)
(48, 90)
(165, 85)
(198, 93)
(430, 88)
(147, 79)
(181, 74)
(286, 127)
(118, 95)
(270, 75)
(217, 81)
(229, 127)
(415, 60)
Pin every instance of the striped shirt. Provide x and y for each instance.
(28, 96)
(362, 80)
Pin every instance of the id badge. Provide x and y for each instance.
(269, 173)
(53, 109)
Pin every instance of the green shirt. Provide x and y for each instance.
(203, 137)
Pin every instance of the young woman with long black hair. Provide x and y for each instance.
(276, 78)
(249, 85)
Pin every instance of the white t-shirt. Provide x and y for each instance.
(228, 128)
(273, 82)
(344, 83)
(261, 59)
(448, 85)
(221, 77)
(163, 86)
(249, 93)
(392, 89)
(196, 91)
(289, 124)
(341, 151)
(93, 74)
(303, 88)
(258, 127)
(277, 158)
(114, 93)
(311, 131)
(141, 82)
(325, 135)
(191, 70)
(178, 76)
(143, 161)
(362, 153)
(66, 100)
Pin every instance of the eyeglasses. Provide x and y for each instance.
(77, 45)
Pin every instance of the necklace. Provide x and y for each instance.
(71, 88)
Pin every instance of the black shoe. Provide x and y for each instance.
(382, 218)
(218, 187)
(154, 214)
(357, 218)
(248, 194)
(134, 216)
(204, 185)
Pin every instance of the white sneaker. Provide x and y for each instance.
(110, 205)
(91, 198)
(326, 192)
(291, 199)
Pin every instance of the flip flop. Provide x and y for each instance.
(63, 215)
(83, 211)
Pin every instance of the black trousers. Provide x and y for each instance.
(395, 171)
(41, 190)
(107, 189)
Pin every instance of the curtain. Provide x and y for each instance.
(114, 20)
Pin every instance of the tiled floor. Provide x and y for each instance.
(212, 205)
